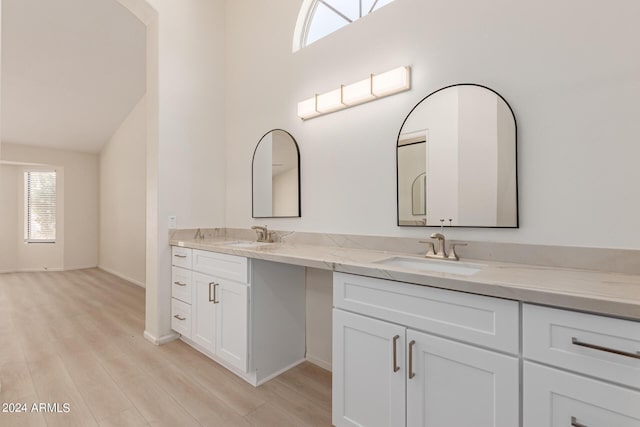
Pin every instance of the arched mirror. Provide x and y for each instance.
(456, 158)
(276, 176)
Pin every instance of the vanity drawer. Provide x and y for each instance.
(598, 346)
(181, 284)
(181, 257)
(485, 321)
(181, 317)
(554, 398)
(221, 265)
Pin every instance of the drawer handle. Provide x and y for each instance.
(213, 285)
(575, 423)
(180, 256)
(396, 368)
(177, 316)
(411, 373)
(179, 283)
(576, 341)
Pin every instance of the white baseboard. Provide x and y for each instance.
(34, 270)
(275, 374)
(122, 276)
(44, 270)
(162, 340)
(321, 363)
(86, 267)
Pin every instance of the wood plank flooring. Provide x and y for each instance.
(76, 337)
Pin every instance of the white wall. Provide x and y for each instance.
(78, 185)
(577, 115)
(8, 217)
(122, 192)
(186, 137)
(319, 316)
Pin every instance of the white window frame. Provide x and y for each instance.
(305, 17)
(27, 236)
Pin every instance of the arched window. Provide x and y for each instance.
(319, 18)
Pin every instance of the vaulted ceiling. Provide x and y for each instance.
(72, 70)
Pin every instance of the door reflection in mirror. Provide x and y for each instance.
(463, 138)
(276, 176)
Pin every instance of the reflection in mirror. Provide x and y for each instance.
(418, 192)
(456, 158)
(276, 176)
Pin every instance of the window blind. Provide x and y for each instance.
(40, 206)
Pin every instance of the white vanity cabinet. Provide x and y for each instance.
(409, 355)
(368, 371)
(232, 323)
(220, 318)
(247, 315)
(592, 372)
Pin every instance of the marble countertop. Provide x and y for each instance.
(606, 293)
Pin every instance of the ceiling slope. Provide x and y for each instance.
(72, 70)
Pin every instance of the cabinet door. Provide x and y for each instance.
(231, 332)
(368, 379)
(454, 384)
(553, 398)
(204, 307)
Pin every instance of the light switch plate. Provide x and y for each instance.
(173, 222)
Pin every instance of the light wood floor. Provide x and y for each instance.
(76, 337)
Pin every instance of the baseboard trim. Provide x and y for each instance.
(45, 270)
(321, 363)
(275, 374)
(33, 270)
(122, 276)
(80, 268)
(162, 340)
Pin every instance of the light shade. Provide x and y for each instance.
(358, 93)
(391, 82)
(307, 108)
(330, 101)
(374, 87)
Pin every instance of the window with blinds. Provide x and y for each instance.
(40, 206)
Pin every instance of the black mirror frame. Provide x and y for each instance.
(299, 180)
(515, 123)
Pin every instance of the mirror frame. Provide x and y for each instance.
(515, 123)
(299, 180)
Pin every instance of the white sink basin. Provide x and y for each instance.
(245, 244)
(434, 265)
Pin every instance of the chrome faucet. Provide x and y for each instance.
(440, 251)
(264, 235)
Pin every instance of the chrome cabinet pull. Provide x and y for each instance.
(396, 368)
(179, 256)
(576, 341)
(215, 300)
(212, 298)
(177, 316)
(179, 283)
(575, 423)
(411, 373)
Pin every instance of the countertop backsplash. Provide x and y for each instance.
(626, 261)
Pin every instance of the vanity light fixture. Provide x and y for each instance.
(376, 86)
